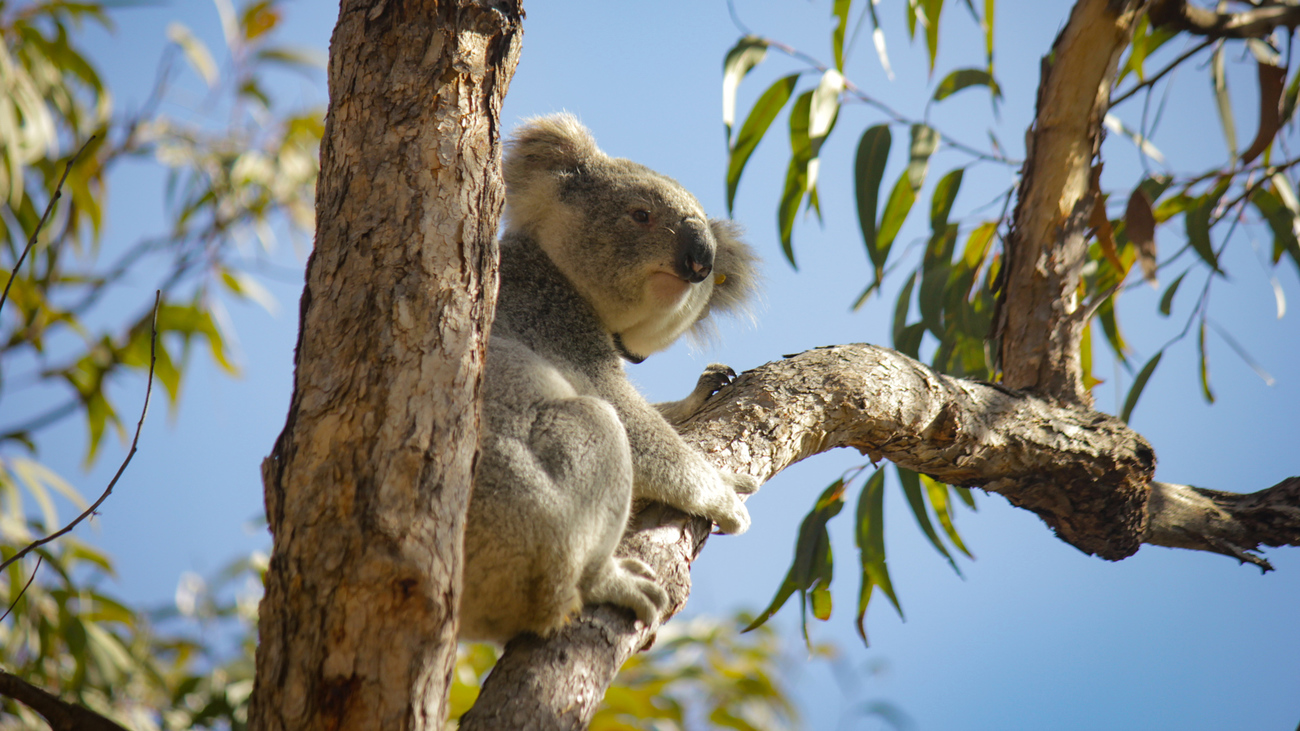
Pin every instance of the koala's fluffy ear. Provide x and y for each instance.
(736, 281)
(551, 144)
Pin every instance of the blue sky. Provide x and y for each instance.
(1037, 635)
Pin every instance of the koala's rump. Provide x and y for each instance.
(551, 497)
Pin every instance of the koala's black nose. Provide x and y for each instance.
(695, 248)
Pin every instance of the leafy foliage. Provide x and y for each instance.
(944, 312)
(62, 336)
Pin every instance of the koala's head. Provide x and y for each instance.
(636, 244)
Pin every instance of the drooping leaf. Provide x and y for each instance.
(925, 140)
(1282, 219)
(986, 23)
(897, 207)
(1139, 383)
(195, 51)
(911, 483)
(1271, 82)
(798, 173)
(1223, 101)
(1198, 223)
(938, 494)
(751, 132)
(812, 567)
(934, 278)
(902, 307)
(1167, 299)
(878, 40)
(840, 11)
(1114, 124)
(748, 52)
(869, 169)
(1289, 99)
(1205, 364)
(869, 537)
(964, 79)
(1100, 222)
(933, 9)
(1140, 226)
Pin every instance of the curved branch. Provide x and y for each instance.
(1255, 23)
(1085, 473)
(60, 714)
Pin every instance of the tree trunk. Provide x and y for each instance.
(367, 485)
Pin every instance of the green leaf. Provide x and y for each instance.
(748, 52)
(1223, 101)
(925, 140)
(897, 207)
(911, 483)
(839, 11)
(987, 24)
(195, 52)
(902, 307)
(936, 265)
(1139, 383)
(870, 540)
(1155, 186)
(909, 341)
(1167, 299)
(938, 493)
(942, 199)
(752, 131)
(1289, 98)
(1282, 219)
(933, 9)
(813, 563)
(1198, 223)
(798, 173)
(964, 79)
(1205, 365)
(869, 169)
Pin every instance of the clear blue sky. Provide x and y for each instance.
(1037, 635)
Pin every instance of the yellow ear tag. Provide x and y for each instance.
(720, 279)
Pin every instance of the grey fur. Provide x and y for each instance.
(567, 441)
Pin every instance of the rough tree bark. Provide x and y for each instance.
(367, 486)
(1034, 439)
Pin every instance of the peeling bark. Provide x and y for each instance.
(367, 486)
(1085, 473)
(1039, 320)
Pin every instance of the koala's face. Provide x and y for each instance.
(635, 243)
(638, 246)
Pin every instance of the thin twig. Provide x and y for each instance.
(58, 193)
(148, 389)
(24, 589)
(1188, 54)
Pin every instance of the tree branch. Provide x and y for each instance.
(1085, 473)
(135, 442)
(61, 715)
(1256, 23)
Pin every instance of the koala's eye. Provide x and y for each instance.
(641, 216)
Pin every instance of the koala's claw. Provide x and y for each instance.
(714, 377)
(630, 582)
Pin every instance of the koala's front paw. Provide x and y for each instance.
(629, 582)
(725, 508)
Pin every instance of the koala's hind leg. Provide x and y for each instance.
(551, 505)
(582, 445)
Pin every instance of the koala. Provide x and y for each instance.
(602, 260)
